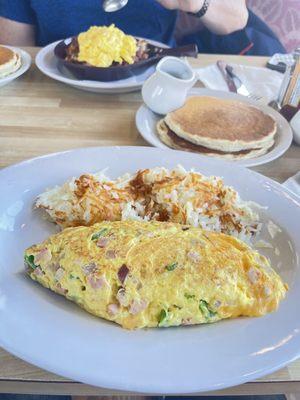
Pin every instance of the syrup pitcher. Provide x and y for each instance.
(167, 89)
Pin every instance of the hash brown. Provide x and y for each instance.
(151, 194)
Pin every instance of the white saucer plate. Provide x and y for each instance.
(146, 121)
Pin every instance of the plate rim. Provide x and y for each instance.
(75, 375)
(286, 133)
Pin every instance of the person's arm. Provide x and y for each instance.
(15, 33)
(222, 17)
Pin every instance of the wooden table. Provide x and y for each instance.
(39, 116)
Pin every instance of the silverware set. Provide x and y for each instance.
(236, 85)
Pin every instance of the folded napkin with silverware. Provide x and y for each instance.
(262, 83)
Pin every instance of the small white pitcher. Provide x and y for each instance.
(166, 90)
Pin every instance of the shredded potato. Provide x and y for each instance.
(152, 194)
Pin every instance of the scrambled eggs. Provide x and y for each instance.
(100, 46)
(154, 274)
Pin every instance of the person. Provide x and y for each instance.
(225, 26)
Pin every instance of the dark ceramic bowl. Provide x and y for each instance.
(117, 72)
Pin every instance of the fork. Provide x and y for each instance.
(235, 84)
(240, 87)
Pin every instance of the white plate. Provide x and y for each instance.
(52, 333)
(48, 64)
(26, 62)
(146, 121)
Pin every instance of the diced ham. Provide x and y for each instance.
(59, 274)
(103, 242)
(113, 309)
(138, 306)
(194, 256)
(111, 254)
(43, 256)
(38, 271)
(89, 269)
(97, 282)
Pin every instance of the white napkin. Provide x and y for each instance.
(261, 81)
(293, 184)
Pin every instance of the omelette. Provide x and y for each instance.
(156, 274)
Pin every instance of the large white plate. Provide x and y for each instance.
(146, 121)
(48, 64)
(26, 62)
(52, 333)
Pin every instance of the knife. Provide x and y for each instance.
(240, 87)
(229, 81)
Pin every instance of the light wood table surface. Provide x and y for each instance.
(38, 116)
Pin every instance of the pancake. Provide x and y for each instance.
(168, 137)
(9, 61)
(155, 274)
(224, 125)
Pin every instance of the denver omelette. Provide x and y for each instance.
(156, 274)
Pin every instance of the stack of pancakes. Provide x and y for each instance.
(10, 61)
(218, 127)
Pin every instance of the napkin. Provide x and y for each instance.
(293, 184)
(261, 81)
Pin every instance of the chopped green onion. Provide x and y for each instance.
(97, 235)
(176, 306)
(162, 316)
(189, 296)
(71, 276)
(29, 260)
(205, 309)
(172, 266)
